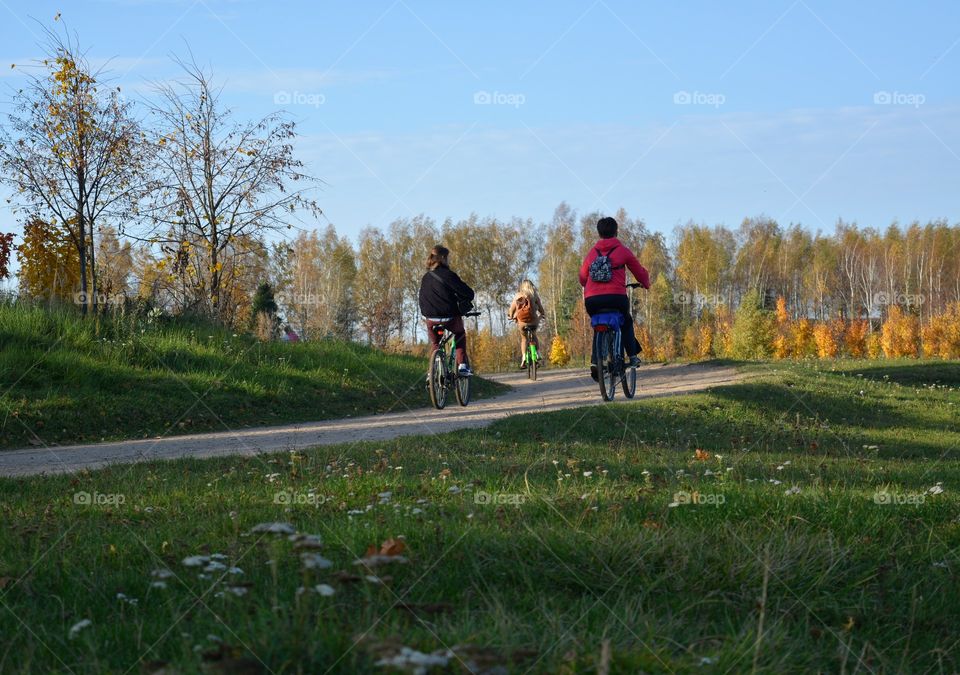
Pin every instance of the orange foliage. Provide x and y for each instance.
(942, 336)
(855, 338)
(901, 334)
(823, 336)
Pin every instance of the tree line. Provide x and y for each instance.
(175, 205)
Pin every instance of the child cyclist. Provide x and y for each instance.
(527, 311)
(604, 279)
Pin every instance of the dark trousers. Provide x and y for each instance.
(455, 326)
(597, 303)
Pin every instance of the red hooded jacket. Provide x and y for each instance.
(622, 259)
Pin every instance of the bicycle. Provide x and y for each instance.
(443, 374)
(612, 367)
(532, 356)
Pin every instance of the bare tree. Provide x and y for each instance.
(219, 181)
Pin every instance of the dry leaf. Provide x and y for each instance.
(5, 581)
(702, 455)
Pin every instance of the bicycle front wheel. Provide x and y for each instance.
(463, 390)
(438, 380)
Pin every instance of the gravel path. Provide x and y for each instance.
(555, 390)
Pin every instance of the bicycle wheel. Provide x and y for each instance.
(463, 389)
(438, 380)
(606, 373)
(629, 380)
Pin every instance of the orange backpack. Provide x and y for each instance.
(525, 313)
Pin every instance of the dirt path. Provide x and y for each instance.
(555, 390)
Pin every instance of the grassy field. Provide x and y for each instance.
(805, 520)
(66, 380)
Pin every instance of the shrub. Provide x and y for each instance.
(753, 329)
(559, 352)
(900, 335)
(855, 338)
(823, 336)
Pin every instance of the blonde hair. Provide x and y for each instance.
(528, 289)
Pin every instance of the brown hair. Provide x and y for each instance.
(438, 256)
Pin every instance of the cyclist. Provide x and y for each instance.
(527, 311)
(604, 279)
(442, 296)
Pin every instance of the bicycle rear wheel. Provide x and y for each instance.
(629, 380)
(463, 389)
(606, 372)
(438, 380)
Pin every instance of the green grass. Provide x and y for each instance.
(68, 380)
(595, 552)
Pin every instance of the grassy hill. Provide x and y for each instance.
(805, 520)
(68, 380)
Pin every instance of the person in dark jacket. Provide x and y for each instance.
(440, 289)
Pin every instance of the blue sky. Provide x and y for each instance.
(803, 110)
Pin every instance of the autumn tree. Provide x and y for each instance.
(72, 152)
(49, 262)
(219, 180)
(6, 248)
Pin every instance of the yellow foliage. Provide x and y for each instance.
(855, 338)
(942, 336)
(803, 340)
(900, 335)
(49, 262)
(782, 317)
(559, 351)
(823, 336)
(874, 348)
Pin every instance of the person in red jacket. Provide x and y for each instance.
(612, 294)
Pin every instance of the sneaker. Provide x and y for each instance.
(634, 361)
(593, 372)
(464, 370)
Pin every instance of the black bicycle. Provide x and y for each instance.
(444, 375)
(613, 366)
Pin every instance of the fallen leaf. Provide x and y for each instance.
(5, 581)
(702, 455)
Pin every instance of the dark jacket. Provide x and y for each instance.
(438, 297)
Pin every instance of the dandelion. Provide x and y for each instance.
(587, 474)
(77, 627)
(314, 561)
(274, 528)
(324, 589)
(195, 560)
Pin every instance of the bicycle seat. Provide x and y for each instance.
(607, 317)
